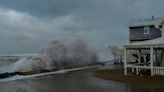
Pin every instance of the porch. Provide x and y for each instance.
(144, 58)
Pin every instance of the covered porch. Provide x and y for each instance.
(144, 58)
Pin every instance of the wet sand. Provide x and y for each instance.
(77, 81)
(117, 75)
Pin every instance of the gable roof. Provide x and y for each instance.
(144, 22)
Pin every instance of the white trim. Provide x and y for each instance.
(125, 61)
(151, 59)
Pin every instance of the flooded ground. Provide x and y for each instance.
(77, 81)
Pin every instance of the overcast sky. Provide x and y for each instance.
(28, 25)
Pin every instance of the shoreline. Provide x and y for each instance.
(21, 77)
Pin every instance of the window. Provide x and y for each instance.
(146, 30)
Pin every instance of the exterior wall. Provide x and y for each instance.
(137, 34)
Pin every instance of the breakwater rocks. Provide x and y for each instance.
(6, 75)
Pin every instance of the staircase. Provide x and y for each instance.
(131, 58)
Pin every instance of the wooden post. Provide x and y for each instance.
(132, 70)
(155, 57)
(162, 61)
(139, 57)
(151, 60)
(114, 58)
(162, 57)
(125, 61)
(137, 71)
(144, 59)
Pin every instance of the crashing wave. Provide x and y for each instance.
(56, 56)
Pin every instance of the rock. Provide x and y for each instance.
(5, 75)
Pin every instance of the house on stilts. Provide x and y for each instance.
(144, 54)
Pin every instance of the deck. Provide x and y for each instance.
(137, 68)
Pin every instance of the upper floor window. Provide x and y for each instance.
(146, 30)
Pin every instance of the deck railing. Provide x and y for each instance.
(155, 70)
(158, 70)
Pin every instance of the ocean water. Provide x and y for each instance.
(6, 62)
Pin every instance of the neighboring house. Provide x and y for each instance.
(117, 55)
(145, 51)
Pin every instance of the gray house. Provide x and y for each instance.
(141, 30)
(145, 51)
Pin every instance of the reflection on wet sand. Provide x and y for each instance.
(77, 81)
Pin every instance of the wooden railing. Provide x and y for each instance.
(155, 70)
(158, 70)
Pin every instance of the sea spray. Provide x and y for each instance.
(58, 55)
(28, 64)
(54, 54)
(69, 55)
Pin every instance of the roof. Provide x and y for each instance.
(154, 42)
(145, 22)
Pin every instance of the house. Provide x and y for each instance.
(141, 30)
(145, 50)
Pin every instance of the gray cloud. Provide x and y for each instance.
(28, 25)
